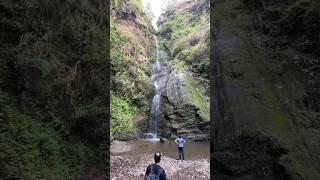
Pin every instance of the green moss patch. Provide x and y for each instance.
(31, 149)
(121, 116)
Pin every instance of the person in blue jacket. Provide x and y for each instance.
(180, 142)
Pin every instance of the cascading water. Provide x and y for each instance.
(155, 106)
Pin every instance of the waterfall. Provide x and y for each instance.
(155, 106)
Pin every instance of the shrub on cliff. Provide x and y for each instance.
(121, 116)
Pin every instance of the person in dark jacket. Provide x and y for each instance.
(155, 171)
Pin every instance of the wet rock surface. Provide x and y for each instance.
(125, 168)
(182, 106)
(185, 98)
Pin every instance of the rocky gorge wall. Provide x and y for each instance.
(132, 54)
(265, 67)
(184, 36)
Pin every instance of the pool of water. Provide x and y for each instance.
(192, 150)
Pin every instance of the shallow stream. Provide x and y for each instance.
(192, 150)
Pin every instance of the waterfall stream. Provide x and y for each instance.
(155, 106)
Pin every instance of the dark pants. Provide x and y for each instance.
(181, 155)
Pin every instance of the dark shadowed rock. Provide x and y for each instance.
(163, 140)
(198, 137)
(264, 84)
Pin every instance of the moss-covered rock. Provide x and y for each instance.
(184, 32)
(257, 88)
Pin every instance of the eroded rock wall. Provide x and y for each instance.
(184, 34)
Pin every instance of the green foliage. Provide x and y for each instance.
(121, 116)
(118, 4)
(53, 56)
(196, 96)
(153, 58)
(129, 76)
(204, 67)
(46, 66)
(136, 5)
(189, 40)
(117, 40)
(32, 149)
(162, 44)
(182, 26)
(186, 35)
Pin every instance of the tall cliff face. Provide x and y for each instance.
(52, 88)
(184, 35)
(132, 51)
(265, 69)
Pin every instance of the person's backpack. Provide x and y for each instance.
(153, 174)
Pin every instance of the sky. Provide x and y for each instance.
(156, 8)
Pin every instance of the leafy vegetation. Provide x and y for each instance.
(132, 50)
(187, 37)
(121, 116)
(136, 5)
(129, 76)
(185, 32)
(33, 149)
(118, 4)
(52, 88)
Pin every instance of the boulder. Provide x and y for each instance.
(163, 140)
